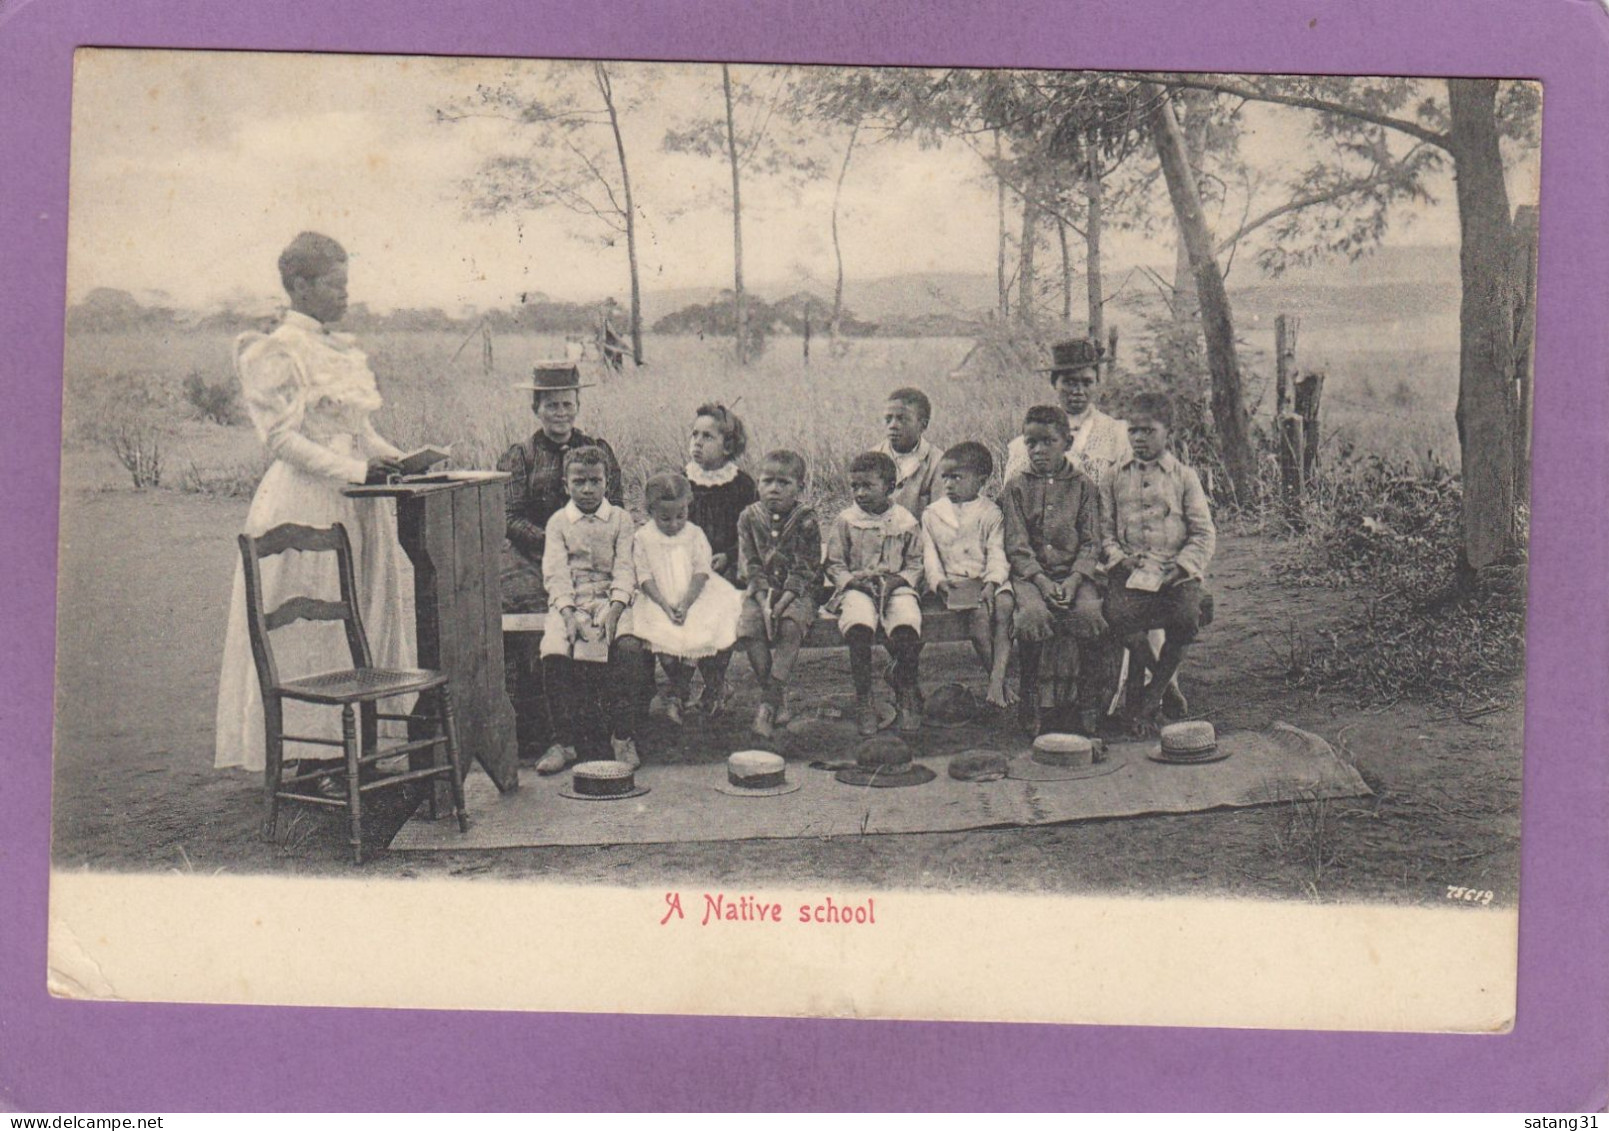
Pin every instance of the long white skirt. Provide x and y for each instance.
(384, 582)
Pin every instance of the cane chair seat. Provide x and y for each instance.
(360, 685)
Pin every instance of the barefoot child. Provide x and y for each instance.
(963, 546)
(874, 561)
(916, 461)
(1053, 542)
(779, 557)
(690, 612)
(720, 492)
(588, 574)
(1159, 540)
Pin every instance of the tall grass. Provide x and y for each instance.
(1393, 401)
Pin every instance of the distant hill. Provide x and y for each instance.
(1379, 287)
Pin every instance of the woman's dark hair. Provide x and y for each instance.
(308, 256)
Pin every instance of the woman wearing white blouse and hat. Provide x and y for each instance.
(311, 397)
(1100, 442)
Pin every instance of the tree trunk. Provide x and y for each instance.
(1000, 235)
(1186, 304)
(1217, 323)
(1025, 273)
(1094, 284)
(1486, 407)
(836, 322)
(1066, 271)
(606, 88)
(739, 305)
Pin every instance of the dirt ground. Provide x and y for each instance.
(143, 598)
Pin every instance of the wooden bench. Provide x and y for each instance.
(939, 626)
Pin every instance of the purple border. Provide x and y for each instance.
(60, 1056)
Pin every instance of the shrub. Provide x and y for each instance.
(138, 447)
(1424, 628)
(217, 401)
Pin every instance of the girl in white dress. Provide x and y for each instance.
(310, 395)
(684, 609)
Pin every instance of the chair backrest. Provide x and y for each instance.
(261, 622)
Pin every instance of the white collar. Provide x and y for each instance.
(717, 478)
(304, 322)
(576, 514)
(865, 520)
(910, 459)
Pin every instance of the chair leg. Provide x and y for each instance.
(449, 726)
(273, 768)
(354, 796)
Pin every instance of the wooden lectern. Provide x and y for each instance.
(451, 526)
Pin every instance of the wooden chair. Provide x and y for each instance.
(356, 691)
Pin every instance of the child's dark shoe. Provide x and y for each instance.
(712, 701)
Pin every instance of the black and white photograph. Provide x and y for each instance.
(801, 514)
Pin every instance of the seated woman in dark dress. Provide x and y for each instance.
(535, 493)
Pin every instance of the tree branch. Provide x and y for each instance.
(1306, 102)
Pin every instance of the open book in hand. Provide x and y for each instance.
(421, 460)
(1147, 578)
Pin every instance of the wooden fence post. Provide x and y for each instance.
(1309, 392)
(1291, 440)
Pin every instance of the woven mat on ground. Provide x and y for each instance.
(1280, 764)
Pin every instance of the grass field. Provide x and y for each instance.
(1395, 400)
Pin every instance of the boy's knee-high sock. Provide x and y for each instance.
(906, 648)
(713, 669)
(560, 687)
(859, 638)
(622, 692)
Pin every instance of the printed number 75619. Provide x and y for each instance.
(1469, 895)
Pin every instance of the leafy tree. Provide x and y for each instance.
(576, 155)
(1465, 122)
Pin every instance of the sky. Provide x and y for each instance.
(191, 170)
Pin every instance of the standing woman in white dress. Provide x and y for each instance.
(311, 396)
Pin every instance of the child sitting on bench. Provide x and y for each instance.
(779, 557)
(874, 562)
(1053, 543)
(964, 550)
(1159, 540)
(588, 574)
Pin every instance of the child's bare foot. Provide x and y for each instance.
(1174, 704)
(673, 710)
(999, 695)
(784, 711)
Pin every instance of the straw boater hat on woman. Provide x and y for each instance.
(1063, 757)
